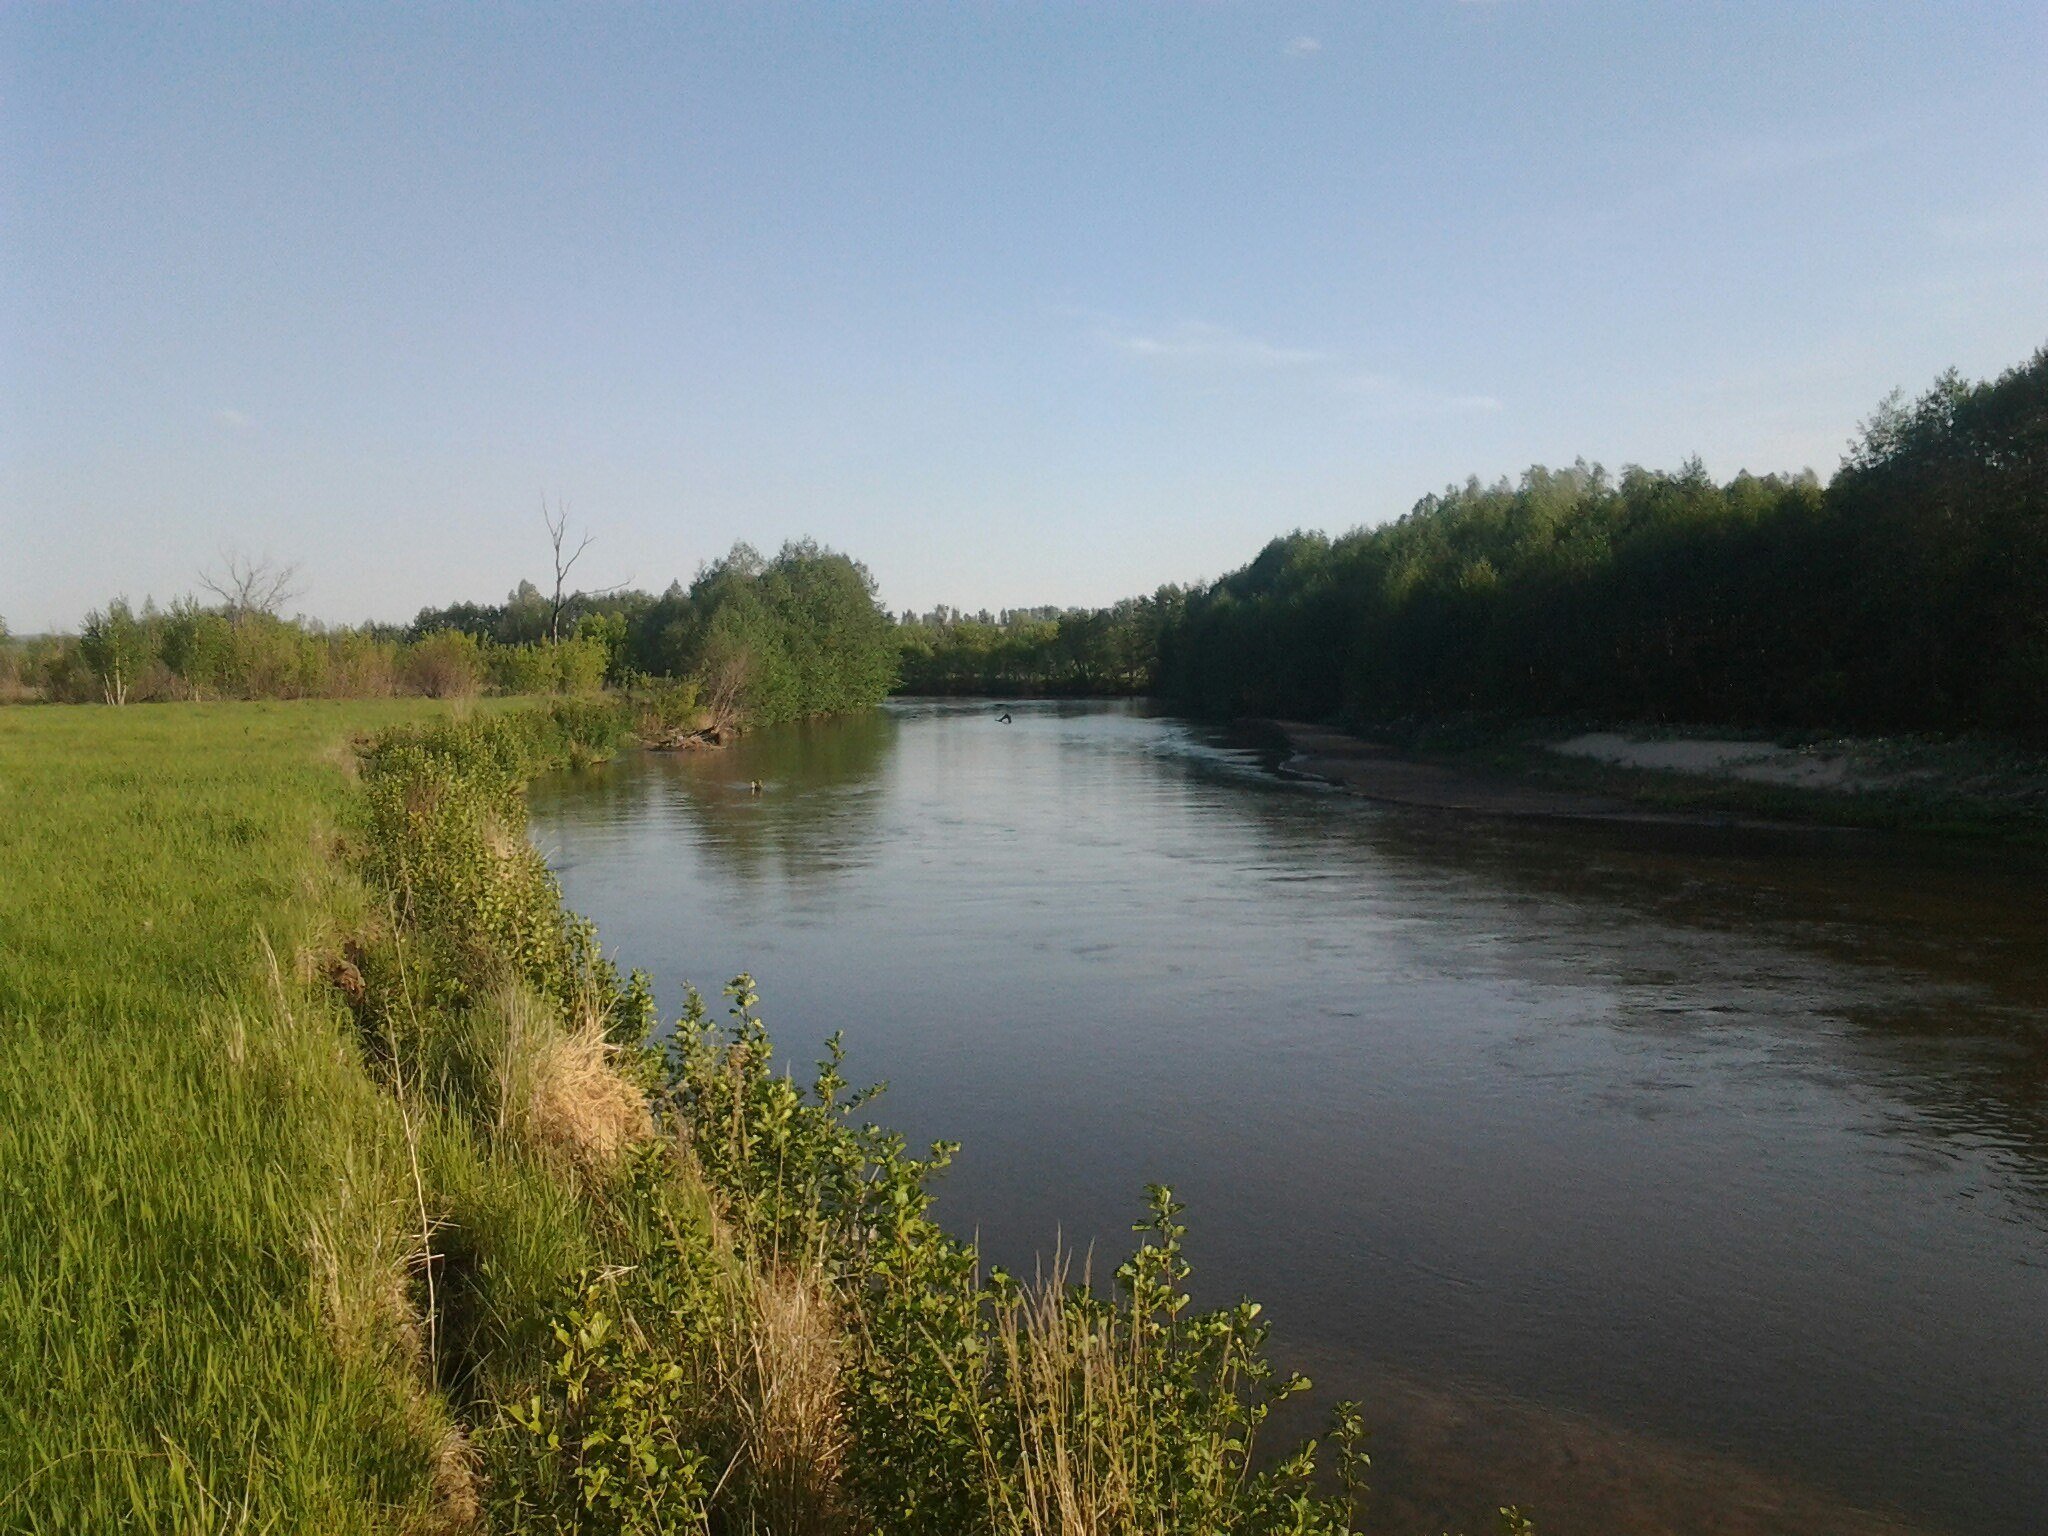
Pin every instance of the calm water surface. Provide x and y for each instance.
(1682, 1157)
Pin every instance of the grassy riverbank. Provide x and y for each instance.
(349, 1190)
(191, 1153)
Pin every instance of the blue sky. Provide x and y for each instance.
(1017, 303)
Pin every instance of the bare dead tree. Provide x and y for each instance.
(246, 584)
(727, 671)
(557, 519)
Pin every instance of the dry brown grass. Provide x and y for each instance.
(785, 1361)
(779, 1359)
(359, 1265)
(364, 1252)
(458, 1505)
(559, 1091)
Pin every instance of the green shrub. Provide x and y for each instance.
(567, 667)
(664, 708)
(448, 664)
(443, 833)
(273, 658)
(520, 669)
(580, 665)
(198, 647)
(959, 1411)
(360, 665)
(116, 648)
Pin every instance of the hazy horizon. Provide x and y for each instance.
(1015, 306)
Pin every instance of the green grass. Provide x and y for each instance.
(196, 1177)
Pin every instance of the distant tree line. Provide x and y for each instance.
(123, 654)
(773, 639)
(1910, 593)
(1033, 651)
(763, 640)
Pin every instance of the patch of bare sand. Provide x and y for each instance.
(1378, 773)
(1760, 762)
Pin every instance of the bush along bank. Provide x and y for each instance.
(667, 1288)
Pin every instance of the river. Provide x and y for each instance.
(1659, 1178)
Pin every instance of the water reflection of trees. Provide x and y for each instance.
(1933, 956)
(824, 784)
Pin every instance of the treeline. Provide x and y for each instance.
(124, 655)
(762, 639)
(772, 639)
(1910, 593)
(1028, 651)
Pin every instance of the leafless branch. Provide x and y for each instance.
(247, 584)
(557, 520)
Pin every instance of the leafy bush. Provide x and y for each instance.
(772, 639)
(664, 708)
(570, 666)
(519, 669)
(579, 665)
(360, 665)
(446, 665)
(990, 1406)
(443, 832)
(117, 648)
(273, 658)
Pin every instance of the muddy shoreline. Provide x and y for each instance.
(1385, 774)
(1981, 790)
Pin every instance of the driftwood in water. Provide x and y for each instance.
(692, 739)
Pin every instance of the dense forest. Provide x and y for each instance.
(1033, 651)
(1910, 593)
(762, 639)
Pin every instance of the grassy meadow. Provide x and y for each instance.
(191, 1153)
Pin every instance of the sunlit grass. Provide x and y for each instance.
(195, 1174)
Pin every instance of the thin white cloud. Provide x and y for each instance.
(1197, 344)
(234, 420)
(1198, 349)
(1302, 47)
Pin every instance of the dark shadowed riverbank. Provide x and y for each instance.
(1982, 790)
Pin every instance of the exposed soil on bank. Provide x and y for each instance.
(1839, 767)
(1973, 788)
(1387, 774)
